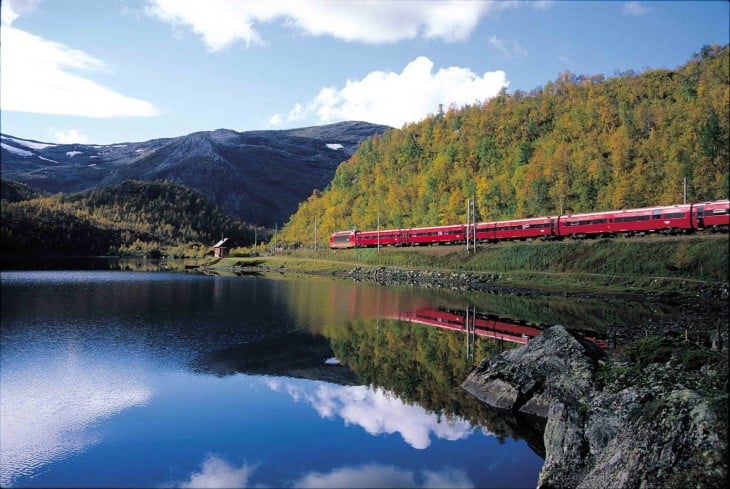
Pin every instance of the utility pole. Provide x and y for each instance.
(684, 189)
(378, 231)
(468, 210)
(276, 230)
(471, 230)
(315, 234)
(474, 224)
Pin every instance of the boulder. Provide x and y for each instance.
(655, 434)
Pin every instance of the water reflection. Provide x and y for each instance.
(295, 354)
(377, 411)
(473, 322)
(385, 476)
(49, 409)
(129, 379)
(217, 472)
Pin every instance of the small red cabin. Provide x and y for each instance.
(220, 249)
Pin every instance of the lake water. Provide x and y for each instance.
(136, 379)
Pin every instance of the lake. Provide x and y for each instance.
(154, 379)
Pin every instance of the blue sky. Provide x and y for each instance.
(103, 71)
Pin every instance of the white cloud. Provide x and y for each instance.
(542, 4)
(223, 22)
(276, 120)
(38, 76)
(12, 9)
(384, 476)
(566, 60)
(507, 48)
(377, 412)
(216, 472)
(72, 136)
(397, 98)
(635, 8)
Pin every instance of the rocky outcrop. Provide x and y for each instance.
(424, 278)
(656, 432)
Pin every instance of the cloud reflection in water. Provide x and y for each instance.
(47, 408)
(376, 411)
(217, 473)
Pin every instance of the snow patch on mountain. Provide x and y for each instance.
(16, 151)
(30, 144)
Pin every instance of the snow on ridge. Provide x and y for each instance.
(335, 146)
(16, 151)
(47, 159)
(30, 144)
(73, 153)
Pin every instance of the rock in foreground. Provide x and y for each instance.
(658, 425)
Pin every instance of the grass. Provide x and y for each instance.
(658, 264)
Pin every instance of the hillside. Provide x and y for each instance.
(259, 176)
(131, 217)
(579, 143)
(17, 192)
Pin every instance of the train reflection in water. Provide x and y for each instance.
(473, 322)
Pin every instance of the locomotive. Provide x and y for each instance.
(674, 219)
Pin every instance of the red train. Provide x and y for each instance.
(682, 218)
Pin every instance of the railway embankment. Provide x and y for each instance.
(654, 417)
(696, 265)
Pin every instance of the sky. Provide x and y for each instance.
(112, 71)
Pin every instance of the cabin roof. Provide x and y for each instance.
(220, 243)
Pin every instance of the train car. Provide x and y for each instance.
(436, 235)
(713, 216)
(680, 218)
(532, 228)
(589, 224)
(387, 237)
(666, 219)
(343, 239)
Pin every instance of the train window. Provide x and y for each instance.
(632, 218)
(719, 212)
(674, 215)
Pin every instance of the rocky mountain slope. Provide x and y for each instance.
(258, 176)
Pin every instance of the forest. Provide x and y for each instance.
(130, 218)
(579, 143)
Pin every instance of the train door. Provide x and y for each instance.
(700, 215)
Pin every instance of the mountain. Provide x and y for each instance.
(579, 143)
(128, 218)
(259, 177)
